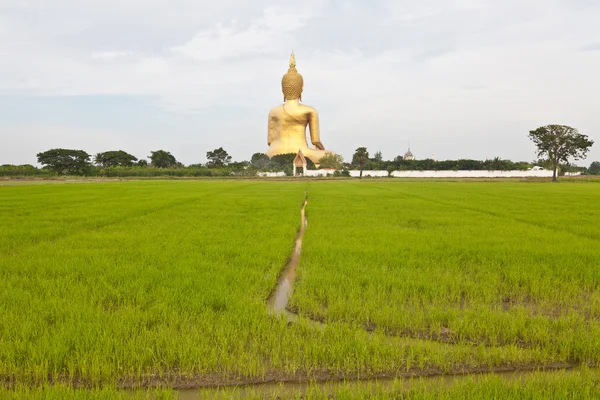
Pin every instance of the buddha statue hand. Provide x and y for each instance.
(319, 145)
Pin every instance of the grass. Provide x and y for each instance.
(65, 392)
(474, 263)
(111, 280)
(164, 282)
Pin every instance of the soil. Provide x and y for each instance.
(177, 381)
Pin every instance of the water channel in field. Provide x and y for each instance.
(329, 389)
(277, 305)
(278, 300)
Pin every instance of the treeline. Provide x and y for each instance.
(118, 163)
(363, 162)
(399, 164)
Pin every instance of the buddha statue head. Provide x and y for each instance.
(292, 82)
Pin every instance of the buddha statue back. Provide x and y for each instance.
(288, 121)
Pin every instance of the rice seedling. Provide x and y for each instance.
(163, 283)
(514, 264)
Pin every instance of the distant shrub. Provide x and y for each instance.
(15, 171)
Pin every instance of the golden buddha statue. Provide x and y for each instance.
(287, 122)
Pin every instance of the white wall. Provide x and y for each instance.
(318, 172)
(380, 174)
(431, 174)
(476, 174)
(270, 174)
(472, 174)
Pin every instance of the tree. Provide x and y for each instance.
(282, 161)
(162, 159)
(259, 160)
(559, 143)
(217, 158)
(114, 158)
(378, 156)
(66, 161)
(360, 158)
(331, 160)
(238, 166)
(594, 168)
(470, 165)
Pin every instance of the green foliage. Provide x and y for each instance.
(360, 158)
(9, 170)
(162, 159)
(217, 158)
(239, 166)
(496, 164)
(63, 391)
(282, 161)
(390, 170)
(114, 158)
(331, 160)
(260, 160)
(594, 168)
(66, 161)
(149, 172)
(559, 144)
(344, 172)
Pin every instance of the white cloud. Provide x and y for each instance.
(263, 36)
(111, 55)
(390, 69)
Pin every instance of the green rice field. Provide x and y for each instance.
(112, 285)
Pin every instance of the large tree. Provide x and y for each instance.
(217, 158)
(331, 160)
(559, 143)
(114, 158)
(594, 168)
(162, 159)
(260, 160)
(66, 161)
(360, 158)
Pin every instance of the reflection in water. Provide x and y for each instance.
(278, 300)
(365, 387)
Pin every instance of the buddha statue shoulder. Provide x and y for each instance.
(288, 121)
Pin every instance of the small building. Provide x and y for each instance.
(299, 162)
(408, 155)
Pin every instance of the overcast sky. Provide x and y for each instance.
(455, 79)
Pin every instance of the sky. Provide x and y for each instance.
(449, 78)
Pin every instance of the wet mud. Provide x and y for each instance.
(383, 384)
(279, 298)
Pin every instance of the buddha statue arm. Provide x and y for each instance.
(313, 125)
(271, 134)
